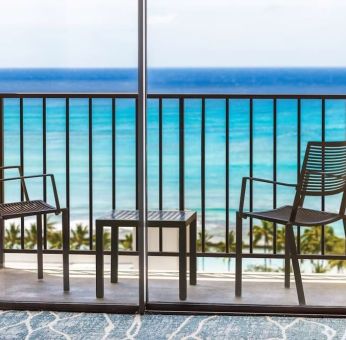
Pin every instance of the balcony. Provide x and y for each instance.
(199, 147)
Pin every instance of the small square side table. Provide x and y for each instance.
(156, 218)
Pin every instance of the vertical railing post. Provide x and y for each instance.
(90, 106)
(67, 157)
(160, 171)
(141, 152)
(227, 238)
(113, 154)
(203, 175)
(251, 173)
(181, 155)
(21, 142)
(323, 203)
(44, 165)
(299, 126)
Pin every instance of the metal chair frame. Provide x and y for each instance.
(323, 174)
(36, 208)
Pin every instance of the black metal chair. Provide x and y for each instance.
(323, 174)
(36, 208)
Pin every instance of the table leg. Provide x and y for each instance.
(114, 253)
(193, 257)
(2, 245)
(39, 247)
(182, 263)
(99, 260)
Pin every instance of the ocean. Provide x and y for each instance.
(218, 80)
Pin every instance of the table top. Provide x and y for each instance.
(153, 216)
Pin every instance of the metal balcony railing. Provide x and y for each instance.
(225, 101)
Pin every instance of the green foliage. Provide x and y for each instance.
(211, 246)
(54, 238)
(79, 237)
(12, 236)
(310, 243)
(263, 232)
(263, 236)
(30, 237)
(127, 242)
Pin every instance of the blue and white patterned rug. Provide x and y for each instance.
(51, 325)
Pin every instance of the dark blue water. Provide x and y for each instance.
(209, 80)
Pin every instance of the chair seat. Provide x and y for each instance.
(305, 217)
(28, 208)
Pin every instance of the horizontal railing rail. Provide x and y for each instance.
(228, 129)
(171, 95)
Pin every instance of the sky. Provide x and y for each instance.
(181, 33)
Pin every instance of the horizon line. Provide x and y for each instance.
(167, 67)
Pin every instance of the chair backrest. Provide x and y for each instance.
(324, 171)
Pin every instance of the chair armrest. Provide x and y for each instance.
(254, 179)
(20, 171)
(23, 178)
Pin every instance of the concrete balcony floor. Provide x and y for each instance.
(20, 283)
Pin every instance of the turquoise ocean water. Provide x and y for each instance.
(294, 81)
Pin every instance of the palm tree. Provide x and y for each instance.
(339, 250)
(280, 239)
(232, 246)
(79, 237)
(54, 236)
(50, 223)
(127, 242)
(207, 238)
(12, 236)
(30, 238)
(231, 241)
(106, 240)
(319, 267)
(311, 243)
(264, 232)
(221, 245)
(335, 245)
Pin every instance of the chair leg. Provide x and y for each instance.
(66, 249)
(295, 264)
(238, 258)
(287, 261)
(39, 247)
(2, 243)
